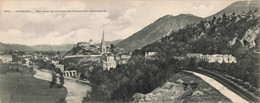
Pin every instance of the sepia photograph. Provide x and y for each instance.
(129, 51)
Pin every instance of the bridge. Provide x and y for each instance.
(70, 73)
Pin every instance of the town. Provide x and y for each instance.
(184, 52)
(97, 53)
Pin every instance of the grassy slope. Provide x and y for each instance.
(22, 87)
(210, 94)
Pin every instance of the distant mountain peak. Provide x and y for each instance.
(237, 8)
(168, 23)
(180, 15)
(160, 28)
(166, 16)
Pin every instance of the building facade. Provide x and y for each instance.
(108, 61)
(6, 58)
(213, 58)
(124, 58)
(150, 55)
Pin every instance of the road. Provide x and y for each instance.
(238, 90)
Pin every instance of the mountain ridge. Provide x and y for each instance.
(163, 26)
(43, 47)
(155, 30)
(237, 7)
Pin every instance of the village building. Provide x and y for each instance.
(213, 58)
(150, 55)
(85, 44)
(60, 66)
(178, 58)
(54, 62)
(6, 58)
(124, 58)
(108, 61)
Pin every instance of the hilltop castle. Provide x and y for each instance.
(94, 53)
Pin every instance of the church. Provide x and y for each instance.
(90, 52)
(108, 59)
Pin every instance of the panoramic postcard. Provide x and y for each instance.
(134, 51)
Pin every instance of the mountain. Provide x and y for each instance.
(161, 27)
(236, 35)
(20, 47)
(62, 47)
(166, 24)
(231, 34)
(238, 7)
(108, 43)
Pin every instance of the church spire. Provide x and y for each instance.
(103, 45)
(103, 39)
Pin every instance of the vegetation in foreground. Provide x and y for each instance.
(182, 87)
(138, 76)
(19, 86)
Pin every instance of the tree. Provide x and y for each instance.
(61, 79)
(214, 17)
(193, 63)
(224, 15)
(53, 80)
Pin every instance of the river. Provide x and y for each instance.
(76, 91)
(222, 89)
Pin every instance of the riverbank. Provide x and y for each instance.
(76, 90)
(21, 87)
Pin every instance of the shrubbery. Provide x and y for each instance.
(138, 76)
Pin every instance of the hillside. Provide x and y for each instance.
(237, 35)
(108, 43)
(165, 25)
(20, 47)
(223, 35)
(161, 27)
(63, 47)
(237, 8)
(4, 46)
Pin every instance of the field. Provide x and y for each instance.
(19, 86)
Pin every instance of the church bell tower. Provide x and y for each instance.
(103, 45)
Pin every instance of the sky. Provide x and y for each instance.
(118, 19)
